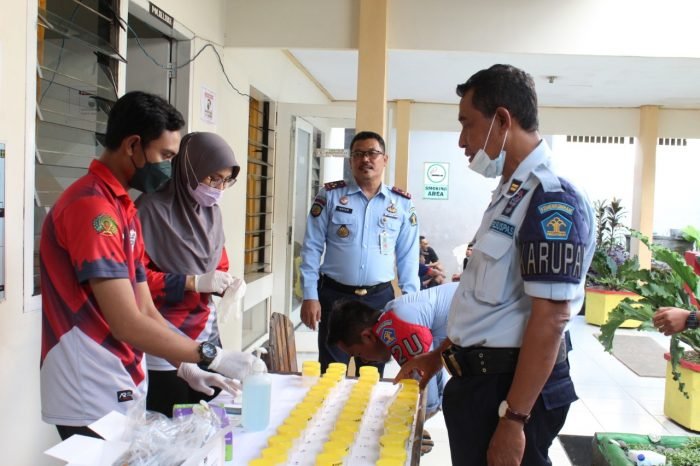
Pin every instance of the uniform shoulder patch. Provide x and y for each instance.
(400, 192)
(334, 185)
(553, 237)
(105, 225)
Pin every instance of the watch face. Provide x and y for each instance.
(502, 408)
(208, 351)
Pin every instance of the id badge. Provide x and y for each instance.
(384, 243)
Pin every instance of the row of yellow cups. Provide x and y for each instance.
(348, 423)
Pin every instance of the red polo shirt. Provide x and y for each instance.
(91, 232)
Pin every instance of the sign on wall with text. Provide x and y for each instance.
(436, 180)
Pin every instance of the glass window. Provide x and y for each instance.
(76, 88)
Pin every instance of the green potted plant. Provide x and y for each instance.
(611, 263)
(671, 283)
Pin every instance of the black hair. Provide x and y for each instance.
(421, 238)
(362, 135)
(504, 86)
(348, 319)
(143, 114)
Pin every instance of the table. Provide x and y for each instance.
(287, 391)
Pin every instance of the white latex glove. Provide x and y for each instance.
(232, 301)
(203, 381)
(233, 364)
(215, 281)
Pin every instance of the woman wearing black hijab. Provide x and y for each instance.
(186, 262)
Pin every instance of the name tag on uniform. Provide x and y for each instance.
(340, 208)
(384, 246)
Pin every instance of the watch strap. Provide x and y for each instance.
(692, 321)
(516, 416)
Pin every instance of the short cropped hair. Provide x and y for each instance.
(143, 114)
(363, 135)
(348, 319)
(504, 86)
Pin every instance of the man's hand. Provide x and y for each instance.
(427, 365)
(507, 445)
(233, 364)
(311, 313)
(203, 381)
(670, 320)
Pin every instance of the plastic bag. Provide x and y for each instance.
(157, 440)
(232, 301)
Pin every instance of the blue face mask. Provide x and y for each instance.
(205, 195)
(485, 165)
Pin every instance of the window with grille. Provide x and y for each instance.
(259, 190)
(76, 87)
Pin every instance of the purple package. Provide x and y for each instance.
(182, 410)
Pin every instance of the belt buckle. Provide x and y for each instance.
(450, 362)
(360, 291)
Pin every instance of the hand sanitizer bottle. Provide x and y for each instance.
(256, 396)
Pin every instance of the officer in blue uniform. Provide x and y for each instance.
(367, 229)
(510, 389)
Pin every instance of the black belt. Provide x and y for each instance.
(461, 362)
(359, 290)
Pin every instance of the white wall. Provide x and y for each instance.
(593, 27)
(447, 223)
(676, 196)
(301, 23)
(24, 435)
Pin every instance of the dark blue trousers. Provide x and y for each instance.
(327, 297)
(470, 406)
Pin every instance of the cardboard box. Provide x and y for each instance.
(79, 450)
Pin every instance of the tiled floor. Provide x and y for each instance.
(612, 398)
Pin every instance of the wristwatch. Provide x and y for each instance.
(207, 352)
(504, 411)
(692, 321)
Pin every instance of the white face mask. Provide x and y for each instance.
(483, 164)
(205, 195)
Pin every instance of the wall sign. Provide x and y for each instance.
(160, 14)
(436, 180)
(207, 100)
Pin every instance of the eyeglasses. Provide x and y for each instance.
(218, 182)
(360, 154)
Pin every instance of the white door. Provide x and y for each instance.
(306, 175)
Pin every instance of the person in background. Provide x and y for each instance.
(468, 254)
(670, 320)
(97, 313)
(186, 260)
(429, 254)
(510, 389)
(367, 229)
(429, 276)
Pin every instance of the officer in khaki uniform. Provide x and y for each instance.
(366, 228)
(510, 389)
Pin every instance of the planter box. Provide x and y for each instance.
(607, 453)
(685, 411)
(599, 304)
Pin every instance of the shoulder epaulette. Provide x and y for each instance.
(401, 192)
(334, 184)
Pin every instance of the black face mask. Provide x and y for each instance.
(151, 176)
